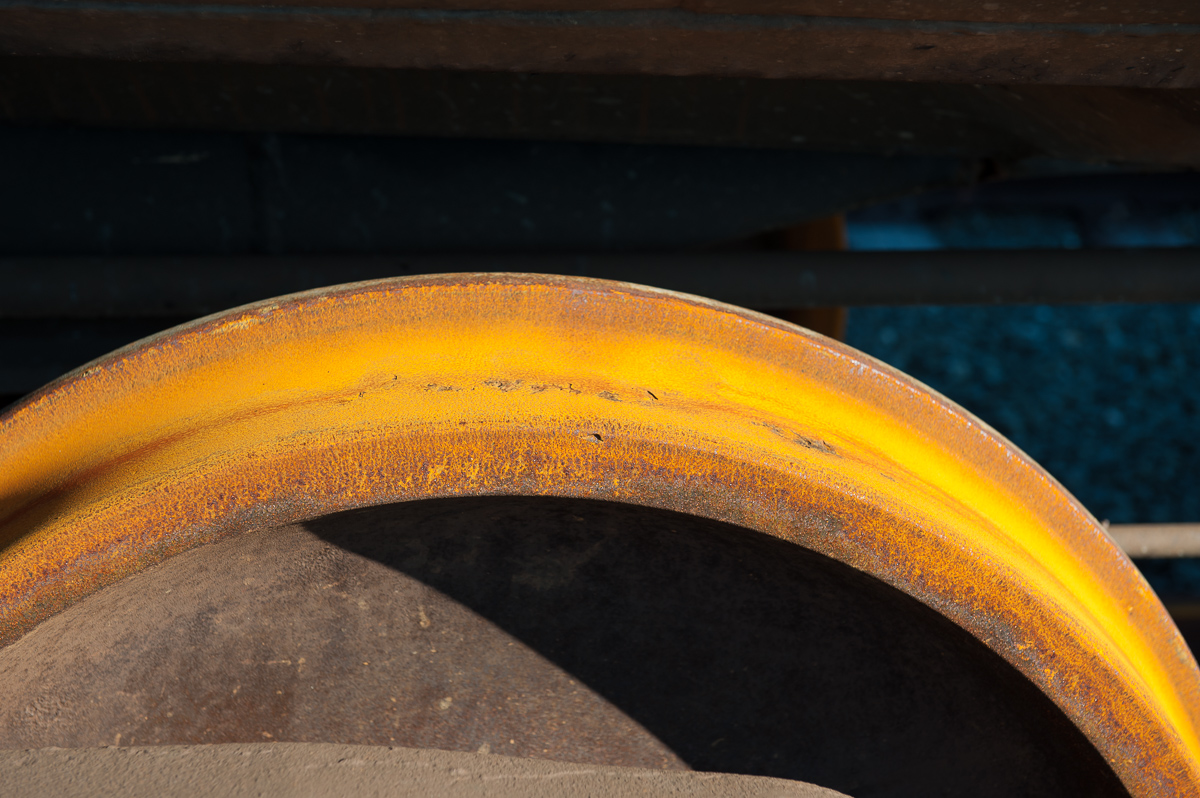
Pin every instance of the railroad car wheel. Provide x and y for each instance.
(573, 520)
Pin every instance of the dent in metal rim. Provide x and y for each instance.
(533, 385)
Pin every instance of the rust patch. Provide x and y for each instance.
(806, 441)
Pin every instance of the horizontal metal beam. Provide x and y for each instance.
(181, 287)
(1141, 49)
(1157, 540)
(118, 193)
(1083, 123)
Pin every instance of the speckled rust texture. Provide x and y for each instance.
(486, 384)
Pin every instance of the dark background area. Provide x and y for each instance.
(1106, 397)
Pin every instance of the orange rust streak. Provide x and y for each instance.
(12, 527)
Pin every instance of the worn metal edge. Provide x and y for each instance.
(325, 770)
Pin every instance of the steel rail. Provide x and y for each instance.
(1157, 540)
(192, 286)
(501, 384)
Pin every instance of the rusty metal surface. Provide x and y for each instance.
(579, 631)
(1174, 12)
(535, 385)
(1011, 11)
(736, 40)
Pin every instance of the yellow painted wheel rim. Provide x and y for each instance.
(516, 384)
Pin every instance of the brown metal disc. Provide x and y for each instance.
(579, 631)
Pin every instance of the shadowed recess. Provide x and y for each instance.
(562, 629)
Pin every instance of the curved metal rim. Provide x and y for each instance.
(529, 384)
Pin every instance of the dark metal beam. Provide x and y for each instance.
(616, 38)
(181, 287)
(1088, 123)
(78, 192)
